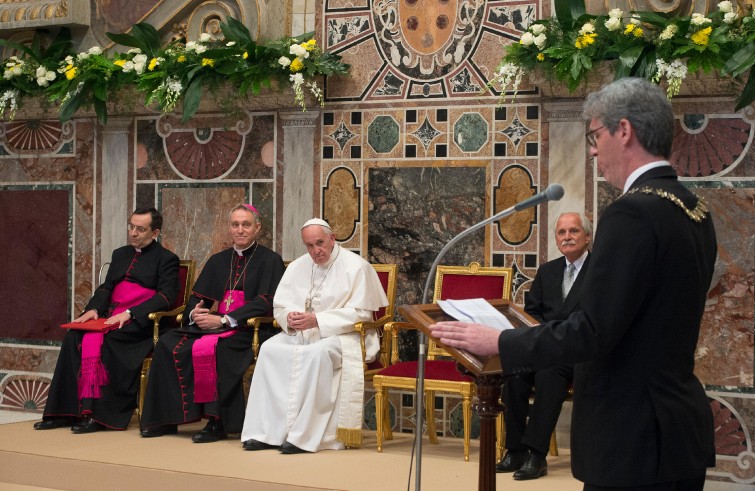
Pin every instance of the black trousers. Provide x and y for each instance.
(532, 426)
(694, 484)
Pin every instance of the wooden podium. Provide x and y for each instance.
(487, 374)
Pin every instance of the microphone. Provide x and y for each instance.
(554, 192)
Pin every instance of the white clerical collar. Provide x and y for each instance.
(641, 170)
(240, 252)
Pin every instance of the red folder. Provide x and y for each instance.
(90, 325)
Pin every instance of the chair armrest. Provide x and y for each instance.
(392, 329)
(255, 323)
(156, 316)
(362, 328)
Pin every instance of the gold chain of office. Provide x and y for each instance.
(698, 214)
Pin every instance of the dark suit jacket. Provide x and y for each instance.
(640, 415)
(544, 301)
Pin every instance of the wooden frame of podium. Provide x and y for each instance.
(487, 374)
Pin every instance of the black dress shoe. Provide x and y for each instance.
(289, 448)
(512, 461)
(535, 467)
(212, 432)
(52, 423)
(257, 445)
(87, 425)
(161, 430)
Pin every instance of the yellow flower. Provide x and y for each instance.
(70, 73)
(637, 32)
(296, 65)
(152, 64)
(702, 36)
(181, 59)
(629, 28)
(585, 40)
(208, 62)
(540, 57)
(119, 63)
(246, 55)
(310, 45)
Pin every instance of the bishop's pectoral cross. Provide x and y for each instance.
(308, 305)
(228, 302)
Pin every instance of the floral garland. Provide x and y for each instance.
(169, 75)
(656, 46)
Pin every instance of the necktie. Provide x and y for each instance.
(571, 272)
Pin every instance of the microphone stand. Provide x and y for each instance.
(553, 192)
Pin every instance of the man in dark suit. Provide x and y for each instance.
(641, 418)
(554, 294)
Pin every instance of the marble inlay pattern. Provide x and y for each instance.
(515, 184)
(704, 146)
(24, 393)
(35, 137)
(341, 203)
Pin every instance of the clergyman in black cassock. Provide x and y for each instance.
(144, 264)
(242, 280)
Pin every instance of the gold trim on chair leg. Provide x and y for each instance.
(432, 431)
(146, 365)
(554, 446)
(379, 411)
(467, 413)
(500, 435)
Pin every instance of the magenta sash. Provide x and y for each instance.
(93, 374)
(203, 354)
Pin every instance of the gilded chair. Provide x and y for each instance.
(501, 433)
(441, 374)
(186, 269)
(387, 274)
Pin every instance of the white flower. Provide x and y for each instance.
(613, 23)
(140, 59)
(134, 51)
(527, 39)
(297, 78)
(675, 72)
(41, 71)
(95, 50)
(615, 14)
(139, 68)
(82, 56)
(587, 28)
(201, 49)
(284, 61)
(699, 19)
(128, 66)
(7, 74)
(299, 51)
(635, 19)
(540, 41)
(726, 7)
(205, 38)
(50, 75)
(69, 60)
(191, 46)
(230, 43)
(730, 17)
(42, 82)
(17, 70)
(669, 32)
(537, 29)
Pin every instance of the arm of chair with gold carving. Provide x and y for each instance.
(255, 323)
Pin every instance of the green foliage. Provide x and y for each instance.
(652, 45)
(179, 73)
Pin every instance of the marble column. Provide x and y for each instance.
(298, 178)
(566, 159)
(114, 190)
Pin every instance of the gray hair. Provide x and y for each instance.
(643, 104)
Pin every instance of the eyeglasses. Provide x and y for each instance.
(591, 136)
(131, 227)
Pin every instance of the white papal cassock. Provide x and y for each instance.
(308, 386)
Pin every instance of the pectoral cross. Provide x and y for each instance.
(228, 302)
(308, 305)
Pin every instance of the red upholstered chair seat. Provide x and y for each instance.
(434, 370)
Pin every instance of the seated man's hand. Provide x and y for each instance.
(475, 338)
(301, 321)
(119, 319)
(207, 322)
(86, 316)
